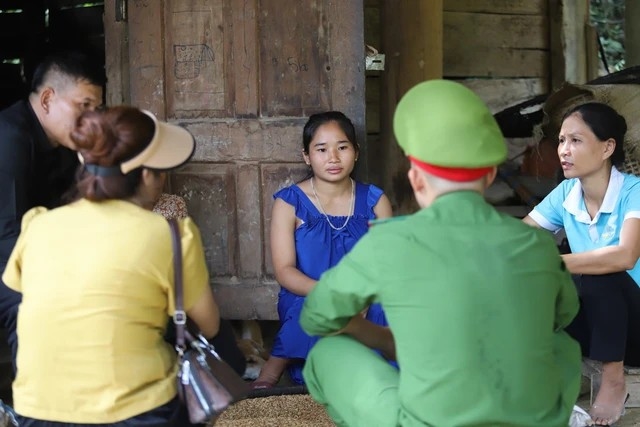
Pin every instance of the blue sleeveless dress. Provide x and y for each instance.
(318, 248)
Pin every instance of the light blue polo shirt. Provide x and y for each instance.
(564, 208)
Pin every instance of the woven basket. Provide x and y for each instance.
(624, 98)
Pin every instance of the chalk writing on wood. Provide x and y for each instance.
(293, 63)
(190, 59)
(296, 66)
(196, 61)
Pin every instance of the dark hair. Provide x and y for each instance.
(108, 138)
(319, 119)
(605, 123)
(74, 64)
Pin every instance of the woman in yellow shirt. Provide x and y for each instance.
(97, 283)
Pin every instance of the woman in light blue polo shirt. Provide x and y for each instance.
(599, 209)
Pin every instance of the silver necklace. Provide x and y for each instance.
(353, 203)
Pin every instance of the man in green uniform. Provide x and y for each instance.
(476, 300)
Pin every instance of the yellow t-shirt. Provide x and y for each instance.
(97, 285)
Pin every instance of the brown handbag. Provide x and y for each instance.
(207, 385)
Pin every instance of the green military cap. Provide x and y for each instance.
(443, 123)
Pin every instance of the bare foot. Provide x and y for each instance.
(609, 404)
(271, 372)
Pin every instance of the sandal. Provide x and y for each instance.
(261, 385)
(615, 420)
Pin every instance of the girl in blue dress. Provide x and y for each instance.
(314, 224)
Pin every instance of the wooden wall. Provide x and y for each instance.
(242, 77)
(500, 48)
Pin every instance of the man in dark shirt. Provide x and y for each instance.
(37, 164)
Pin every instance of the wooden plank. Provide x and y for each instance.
(249, 234)
(195, 57)
(496, 63)
(502, 93)
(245, 58)
(210, 193)
(469, 31)
(116, 57)
(247, 140)
(412, 41)
(295, 76)
(593, 57)
(372, 30)
(509, 7)
(146, 56)
(345, 69)
(421, 33)
(373, 88)
(557, 66)
(567, 23)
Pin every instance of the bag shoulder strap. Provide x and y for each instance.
(179, 315)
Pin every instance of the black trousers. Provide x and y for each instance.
(171, 414)
(608, 323)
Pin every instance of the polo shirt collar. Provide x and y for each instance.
(574, 203)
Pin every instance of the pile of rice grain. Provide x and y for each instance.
(295, 410)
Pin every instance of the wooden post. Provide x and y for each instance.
(568, 20)
(632, 33)
(116, 55)
(412, 42)
(146, 56)
(593, 58)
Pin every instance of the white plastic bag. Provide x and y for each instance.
(579, 418)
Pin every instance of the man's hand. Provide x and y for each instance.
(373, 336)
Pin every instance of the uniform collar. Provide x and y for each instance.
(456, 195)
(574, 203)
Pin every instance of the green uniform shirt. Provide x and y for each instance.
(477, 302)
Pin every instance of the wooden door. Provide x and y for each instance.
(242, 77)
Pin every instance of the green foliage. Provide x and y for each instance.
(608, 18)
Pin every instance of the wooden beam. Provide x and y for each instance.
(116, 56)
(245, 58)
(568, 20)
(412, 41)
(146, 55)
(591, 46)
(348, 68)
(509, 7)
(632, 33)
